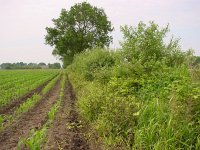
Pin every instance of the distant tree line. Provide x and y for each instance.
(22, 65)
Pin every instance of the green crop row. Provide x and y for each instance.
(21, 76)
(10, 75)
(20, 110)
(50, 85)
(29, 103)
(12, 90)
(36, 138)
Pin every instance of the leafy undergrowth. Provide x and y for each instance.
(142, 96)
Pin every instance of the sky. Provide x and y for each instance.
(23, 22)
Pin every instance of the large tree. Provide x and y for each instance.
(82, 27)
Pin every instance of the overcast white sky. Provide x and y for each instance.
(23, 22)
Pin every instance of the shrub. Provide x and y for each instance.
(142, 96)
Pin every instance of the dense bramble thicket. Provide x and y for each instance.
(143, 96)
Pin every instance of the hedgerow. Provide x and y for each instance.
(142, 96)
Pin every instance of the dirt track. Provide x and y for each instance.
(35, 118)
(65, 132)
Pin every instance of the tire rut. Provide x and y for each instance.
(62, 137)
(33, 119)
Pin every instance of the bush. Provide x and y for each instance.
(142, 96)
(146, 43)
(94, 64)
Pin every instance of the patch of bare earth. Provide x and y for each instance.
(35, 118)
(66, 132)
(10, 108)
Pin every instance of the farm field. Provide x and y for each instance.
(96, 81)
(35, 107)
(14, 84)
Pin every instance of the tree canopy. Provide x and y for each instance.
(82, 27)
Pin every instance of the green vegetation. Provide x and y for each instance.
(51, 84)
(6, 120)
(143, 96)
(36, 138)
(83, 24)
(24, 107)
(34, 141)
(54, 66)
(21, 65)
(27, 105)
(14, 84)
(196, 62)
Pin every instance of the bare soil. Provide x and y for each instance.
(66, 132)
(10, 108)
(33, 119)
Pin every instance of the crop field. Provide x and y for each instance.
(109, 87)
(14, 84)
(34, 110)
